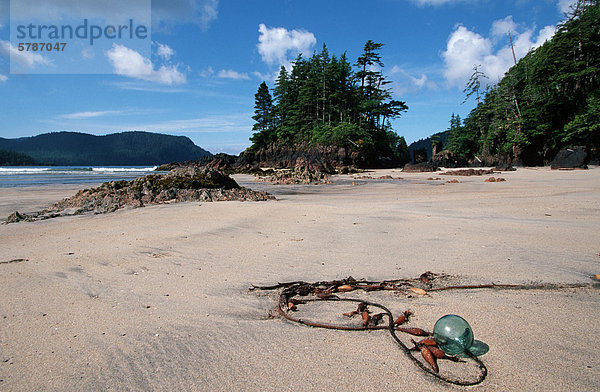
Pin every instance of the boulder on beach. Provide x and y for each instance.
(570, 158)
(419, 167)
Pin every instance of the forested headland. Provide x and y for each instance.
(324, 102)
(548, 101)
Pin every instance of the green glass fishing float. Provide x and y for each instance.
(453, 334)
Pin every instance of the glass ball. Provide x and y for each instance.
(453, 334)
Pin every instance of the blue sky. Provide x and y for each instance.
(206, 59)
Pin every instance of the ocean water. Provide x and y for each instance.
(12, 176)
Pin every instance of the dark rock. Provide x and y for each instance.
(324, 159)
(504, 167)
(419, 167)
(495, 179)
(287, 177)
(468, 172)
(570, 158)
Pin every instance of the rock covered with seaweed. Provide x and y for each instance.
(185, 183)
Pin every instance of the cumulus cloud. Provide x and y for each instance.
(231, 74)
(164, 51)
(276, 45)
(502, 27)
(24, 58)
(128, 62)
(466, 48)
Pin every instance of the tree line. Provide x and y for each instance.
(12, 158)
(548, 101)
(325, 100)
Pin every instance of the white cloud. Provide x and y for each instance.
(466, 48)
(277, 43)
(208, 12)
(84, 115)
(231, 74)
(544, 35)
(25, 58)
(239, 122)
(404, 81)
(208, 72)
(269, 76)
(502, 27)
(164, 51)
(3, 78)
(565, 5)
(128, 62)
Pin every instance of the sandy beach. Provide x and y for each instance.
(157, 298)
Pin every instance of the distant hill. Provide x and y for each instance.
(427, 144)
(117, 149)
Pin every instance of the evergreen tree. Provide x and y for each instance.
(263, 114)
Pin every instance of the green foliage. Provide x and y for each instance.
(584, 129)
(323, 101)
(263, 108)
(546, 102)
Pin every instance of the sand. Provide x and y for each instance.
(157, 298)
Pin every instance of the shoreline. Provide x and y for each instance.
(157, 297)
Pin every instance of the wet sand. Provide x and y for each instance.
(157, 298)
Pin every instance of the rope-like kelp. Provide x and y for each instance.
(300, 292)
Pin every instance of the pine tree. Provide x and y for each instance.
(263, 115)
(263, 107)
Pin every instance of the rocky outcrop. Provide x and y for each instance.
(222, 162)
(570, 158)
(288, 177)
(324, 159)
(419, 167)
(184, 183)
